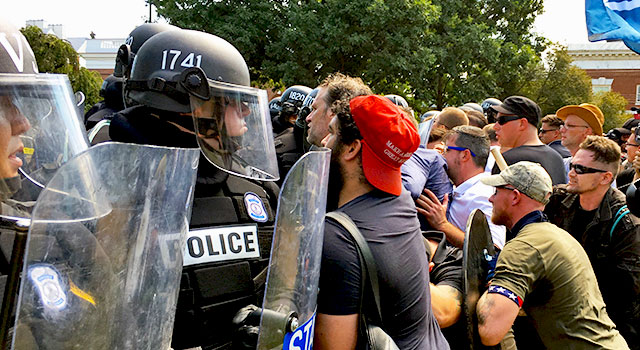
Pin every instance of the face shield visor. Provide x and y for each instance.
(39, 131)
(234, 130)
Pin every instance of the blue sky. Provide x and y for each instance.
(563, 20)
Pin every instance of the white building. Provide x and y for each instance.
(95, 54)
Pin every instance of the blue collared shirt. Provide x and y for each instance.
(426, 169)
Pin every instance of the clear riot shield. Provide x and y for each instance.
(104, 256)
(292, 282)
(424, 130)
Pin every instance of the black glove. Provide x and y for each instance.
(246, 322)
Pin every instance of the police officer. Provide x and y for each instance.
(192, 90)
(397, 100)
(39, 131)
(111, 93)
(289, 148)
(489, 112)
(301, 126)
(274, 107)
(97, 119)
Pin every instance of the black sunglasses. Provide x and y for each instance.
(581, 169)
(504, 119)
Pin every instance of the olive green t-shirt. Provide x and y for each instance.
(550, 271)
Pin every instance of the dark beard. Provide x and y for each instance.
(335, 181)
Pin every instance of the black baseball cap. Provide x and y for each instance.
(520, 106)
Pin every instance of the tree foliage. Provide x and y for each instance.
(433, 52)
(55, 55)
(612, 105)
(556, 82)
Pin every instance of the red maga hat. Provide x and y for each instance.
(389, 139)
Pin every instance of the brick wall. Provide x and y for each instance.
(624, 81)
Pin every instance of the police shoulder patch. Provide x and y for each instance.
(255, 207)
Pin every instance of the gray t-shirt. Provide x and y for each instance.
(390, 226)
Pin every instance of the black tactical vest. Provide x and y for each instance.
(229, 243)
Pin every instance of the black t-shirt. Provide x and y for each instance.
(447, 270)
(390, 226)
(541, 154)
(581, 219)
(447, 262)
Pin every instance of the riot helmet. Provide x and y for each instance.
(397, 100)
(191, 72)
(292, 100)
(137, 37)
(111, 92)
(39, 124)
(274, 107)
(306, 108)
(489, 112)
(427, 115)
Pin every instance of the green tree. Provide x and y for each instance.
(612, 105)
(55, 55)
(483, 49)
(556, 82)
(443, 52)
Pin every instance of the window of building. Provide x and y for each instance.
(601, 84)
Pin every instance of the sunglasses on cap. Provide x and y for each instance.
(504, 119)
(581, 169)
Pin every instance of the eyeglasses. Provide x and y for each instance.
(504, 119)
(581, 169)
(631, 144)
(459, 149)
(542, 131)
(569, 126)
(504, 187)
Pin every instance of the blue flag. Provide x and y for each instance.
(614, 20)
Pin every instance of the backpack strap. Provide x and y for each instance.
(365, 254)
(619, 215)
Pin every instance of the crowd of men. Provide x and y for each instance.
(569, 249)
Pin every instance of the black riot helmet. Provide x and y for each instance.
(306, 107)
(111, 92)
(39, 119)
(137, 37)
(292, 99)
(274, 107)
(162, 59)
(197, 73)
(397, 100)
(489, 112)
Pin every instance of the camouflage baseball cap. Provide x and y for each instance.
(527, 177)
